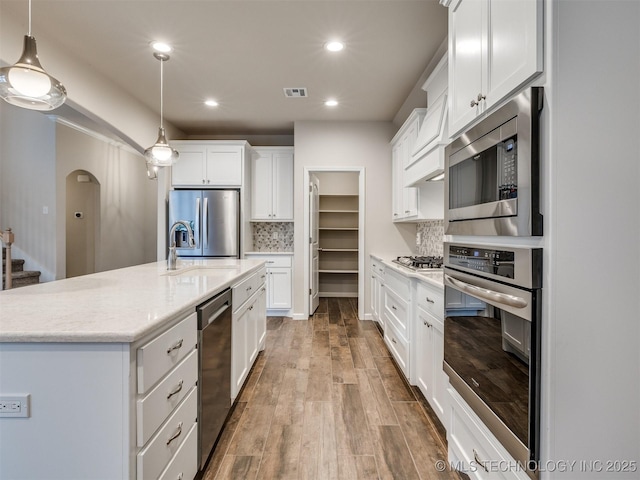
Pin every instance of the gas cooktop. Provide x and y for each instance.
(419, 262)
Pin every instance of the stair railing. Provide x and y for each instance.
(7, 240)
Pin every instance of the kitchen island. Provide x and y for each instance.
(104, 369)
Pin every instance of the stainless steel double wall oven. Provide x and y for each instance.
(493, 291)
(492, 348)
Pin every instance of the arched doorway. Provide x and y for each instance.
(82, 218)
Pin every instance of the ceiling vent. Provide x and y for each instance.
(295, 92)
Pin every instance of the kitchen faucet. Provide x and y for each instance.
(171, 259)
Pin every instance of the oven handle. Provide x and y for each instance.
(485, 294)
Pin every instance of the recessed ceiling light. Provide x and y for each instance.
(161, 47)
(211, 103)
(331, 103)
(334, 46)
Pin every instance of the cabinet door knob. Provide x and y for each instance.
(477, 102)
(393, 340)
(427, 323)
(394, 307)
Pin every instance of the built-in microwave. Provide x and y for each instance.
(492, 172)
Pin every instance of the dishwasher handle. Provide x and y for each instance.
(209, 311)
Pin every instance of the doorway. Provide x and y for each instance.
(334, 225)
(82, 219)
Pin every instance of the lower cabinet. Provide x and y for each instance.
(167, 401)
(279, 281)
(396, 303)
(473, 448)
(249, 326)
(376, 268)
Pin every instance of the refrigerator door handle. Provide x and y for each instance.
(198, 219)
(205, 228)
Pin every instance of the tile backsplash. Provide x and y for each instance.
(263, 233)
(432, 236)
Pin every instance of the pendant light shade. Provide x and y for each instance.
(26, 84)
(160, 154)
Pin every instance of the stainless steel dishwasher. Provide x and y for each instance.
(214, 377)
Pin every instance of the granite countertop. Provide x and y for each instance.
(120, 305)
(434, 277)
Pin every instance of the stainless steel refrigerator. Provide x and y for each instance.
(214, 216)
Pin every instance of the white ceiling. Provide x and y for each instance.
(243, 53)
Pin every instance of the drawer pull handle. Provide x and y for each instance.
(176, 390)
(394, 307)
(427, 324)
(251, 307)
(177, 346)
(264, 289)
(393, 340)
(271, 261)
(429, 300)
(479, 461)
(180, 476)
(175, 435)
(263, 277)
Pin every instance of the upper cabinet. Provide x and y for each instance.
(209, 163)
(412, 204)
(427, 156)
(495, 47)
(272, 184)
(405, 200)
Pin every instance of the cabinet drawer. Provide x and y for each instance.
(396, 311)
(398, 346)
(377, 268)
(273, 260)
(153, 459)
(475, 447)
(398, 283)
(164, 352)
(184, 464)
(154, 408)
(430, 299)
(247, 287)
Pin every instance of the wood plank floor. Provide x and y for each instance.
(325, 401)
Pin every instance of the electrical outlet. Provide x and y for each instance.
(418, 239)
(14, 405)
(274, 235)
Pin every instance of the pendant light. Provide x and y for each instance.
(161, 154)
(26, 84)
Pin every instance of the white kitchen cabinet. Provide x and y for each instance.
(279, 276)
(404, 199)
(412, 204)
(473, 447)
(209, 163)
(248, 327)
(429, 347)
(272, 184)
(396, 305)
(495, 47)
(427, 160)
(376, 268)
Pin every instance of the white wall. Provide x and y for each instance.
(591, 325)
(349, 144)
(27, 170)
(128, 201)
